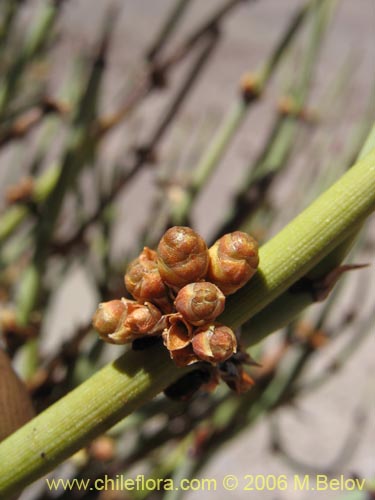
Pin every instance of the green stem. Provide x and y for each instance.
(121, 387)
(110, 395)
(289, 305)
(276, 56)
(307, 240)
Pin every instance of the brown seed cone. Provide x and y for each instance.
(214, 343)
(122, 321)
(144, 283)
(144, 319)
(182, 257)
(200, 303)
(233, 261)
(108, 316)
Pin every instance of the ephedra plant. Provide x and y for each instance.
(186, 315)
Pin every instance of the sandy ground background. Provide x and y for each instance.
(315, 430)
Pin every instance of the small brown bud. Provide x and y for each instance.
(233, 261)
(250, 87)
(214, 343)
(143, 281)
(107, 316)
(122, 321)
(288, 106)
(182, 257)
(200, 302)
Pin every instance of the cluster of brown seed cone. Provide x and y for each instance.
(179, 291)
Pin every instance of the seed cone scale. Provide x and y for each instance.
(233, 261)
(177, 335)
(182, 257)
(200, 302)
(143, 280)
(177, 339)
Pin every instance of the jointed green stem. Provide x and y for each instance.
(288, 305)
(121, 387)
(307, 240)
